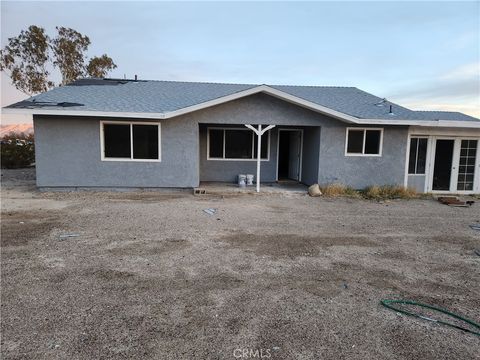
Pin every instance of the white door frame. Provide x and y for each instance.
(455, 165)
(301, 152)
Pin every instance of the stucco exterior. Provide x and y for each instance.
(68, 150)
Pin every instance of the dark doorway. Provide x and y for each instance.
(442, 170)
(289, 154)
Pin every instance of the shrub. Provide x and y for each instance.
(334, 190)
(374, 192)
(389, 192)
(17, 150)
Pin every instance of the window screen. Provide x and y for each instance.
(355, 142)
(238, 144)
(117, 140)
(372, 141)
(145, 141)
(215, 143)
(418, 156)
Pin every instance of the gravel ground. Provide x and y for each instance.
(150, 275)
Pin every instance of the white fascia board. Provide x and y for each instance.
(423, 123)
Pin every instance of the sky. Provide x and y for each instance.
(423, 55)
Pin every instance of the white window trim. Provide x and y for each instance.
(380, 150)
(416, 160)
(235, 159)
(130, 159)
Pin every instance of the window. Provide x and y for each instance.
(235, 144)
(418, 156)
(123, 141)
(363, 142)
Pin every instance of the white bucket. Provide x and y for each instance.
(242, 180)
(249, 179)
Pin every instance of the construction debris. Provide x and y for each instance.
(475, 227)
(66, 236)
(455, 201)
(210, 211)
(199, 191)
(314, 190)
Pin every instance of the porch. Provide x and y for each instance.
(287, 153)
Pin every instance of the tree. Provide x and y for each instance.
(100, 66)
(28, 56)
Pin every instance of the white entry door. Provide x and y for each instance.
(295, 155)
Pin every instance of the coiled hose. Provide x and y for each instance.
(388, 304)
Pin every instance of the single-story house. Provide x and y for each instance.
(115, 133)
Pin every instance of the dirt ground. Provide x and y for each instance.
(152, 276)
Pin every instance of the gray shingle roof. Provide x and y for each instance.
(446, 115)
(166, 96)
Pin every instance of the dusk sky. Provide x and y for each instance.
(424, 55)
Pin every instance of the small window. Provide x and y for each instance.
(235, 144)
(131, 141)
(366, 142)
(418, 156)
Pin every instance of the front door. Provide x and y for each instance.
(289, 154)
(442, 170)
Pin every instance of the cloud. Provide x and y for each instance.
(456, 90)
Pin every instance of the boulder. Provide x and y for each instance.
(314, 190)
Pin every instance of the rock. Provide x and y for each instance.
(314, 190)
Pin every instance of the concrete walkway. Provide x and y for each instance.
(265, 188)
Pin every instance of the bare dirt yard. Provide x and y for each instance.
(152, 276)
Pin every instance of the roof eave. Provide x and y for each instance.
(254, 90)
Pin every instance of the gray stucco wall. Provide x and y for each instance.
(361, 171)
(416, 182)
(310, 155)
(68, 150)
(67, 153)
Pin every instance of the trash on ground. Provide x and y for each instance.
(454, 201)
(314, 190)
(199, 191)
(475, 227)
(477, 251)
(210, 211)
(66, 236)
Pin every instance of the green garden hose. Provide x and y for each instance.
(388, 304)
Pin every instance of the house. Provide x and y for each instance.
(112, 133)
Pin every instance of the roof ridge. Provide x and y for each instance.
(188, 82)
(317, 86)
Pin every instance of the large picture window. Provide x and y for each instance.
(364, 142)
(235, 144)
(418, 156)
(130, 141)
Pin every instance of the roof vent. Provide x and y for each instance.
(390, 112)
(381, 102)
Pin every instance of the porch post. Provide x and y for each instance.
(259, 147)
(259, 132)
